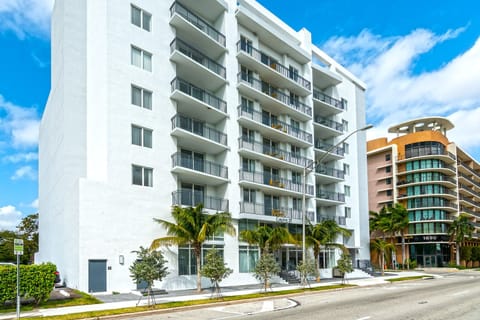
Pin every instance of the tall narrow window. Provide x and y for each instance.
(348, 212)
(346, 169)
(346, 148)
(141, 18)
(141, 97)
(345, 125)
(347, 191)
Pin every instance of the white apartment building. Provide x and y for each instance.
(160, 103)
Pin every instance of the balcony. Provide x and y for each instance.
(464, 167)
(439, 179)
(329, 197)
(446, 193)
(271, 70)
(192, 199)
(470, 211)
(198, 136)
(276, 129)
(197, 102)
(197, 67)
(469, 190)
(341, 221)
(324, 78)
(445, 169)
(280, 214)
(469, 180)
(327, 175)
(196, 31)
(331, 151)
(199, 171)
(429, 153)
(270, 96)
(432, 202)
(465, 201)
(272, 183)
(275, 157)
(326, 127)
(326, 105)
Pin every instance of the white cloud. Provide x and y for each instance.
(10, 217)
(34, 204)
(25, 172)
(26, 17)
(19, 124)
(21, 157)
(395, 93)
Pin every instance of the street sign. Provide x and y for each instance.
(18, 246)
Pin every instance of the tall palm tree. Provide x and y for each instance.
(381, 247)
(193, 227)
(267, 238)
(324, 234)
(400, 223)
(460, 229)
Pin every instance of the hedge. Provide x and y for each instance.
(36, 282)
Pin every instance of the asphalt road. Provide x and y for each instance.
(454, 296)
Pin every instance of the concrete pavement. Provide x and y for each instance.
(131, 300)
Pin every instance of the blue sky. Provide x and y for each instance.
(418, 58)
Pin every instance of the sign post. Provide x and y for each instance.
(18, 251)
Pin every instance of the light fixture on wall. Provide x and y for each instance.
(121, 259)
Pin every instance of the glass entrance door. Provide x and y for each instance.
(430, 261)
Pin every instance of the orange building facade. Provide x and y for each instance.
(430, 176)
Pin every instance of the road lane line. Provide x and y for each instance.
(460, 293)
(364, 318)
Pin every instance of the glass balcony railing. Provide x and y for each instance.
(330, 195)
(198, 93)
(259, 117)
(197, 56)
(275, 211)
(321, 169)
(319, 144)
(329, 123)
(200, 165)
(278, 153)
(274, 181)
(275, 93)
(339, 220)
(199, 128)
(198, 22)
(274, 64)
(193, 198)
(328, 100)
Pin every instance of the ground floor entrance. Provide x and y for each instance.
(289, 258)
(430, 255)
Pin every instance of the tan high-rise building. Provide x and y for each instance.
(430, 176)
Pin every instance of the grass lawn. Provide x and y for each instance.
(409, 278)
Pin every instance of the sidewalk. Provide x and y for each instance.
(131, 300)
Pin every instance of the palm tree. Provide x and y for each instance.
(324, 234)
(193, 227)
(381, 247)
(460, 229)
(267, 238)
(400, 223)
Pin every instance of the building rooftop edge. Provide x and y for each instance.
(422, 124)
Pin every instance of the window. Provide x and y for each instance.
(249, 195)
(141, 18)
(246, 44)
(388, 169)
(297, 204)
(347, 191)
(295, 151)
(141, 136)
(388, 157)
(346, 169)
(187, 263)
(248, 257)
(141, 97)
(294, 99)
(388, 181)
(247, 105)
(296, 177)
(142, 176)
(389, 193)
(141, 58)
(248, 165)
(348, 212)
(345, 125)
(293, 73)
(346, 148)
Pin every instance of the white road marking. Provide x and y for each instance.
(460, 293)
(364, 318)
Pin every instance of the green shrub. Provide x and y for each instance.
(466, 253)
(36, 282)
(476, 254)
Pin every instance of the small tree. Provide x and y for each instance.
(149, 266)
(344, 264)
(306, 269)
(266, 268)
(215, 269)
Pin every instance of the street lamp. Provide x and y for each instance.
(309, 168)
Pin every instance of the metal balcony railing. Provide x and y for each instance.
(258, 116)
(272, 63)
(197, 56)
(420, 179)
(469, 179)
(468, 189)
(273, 152)
(275, 93)
(276, 211)
(330, 195)
(470, 211)
(204, 166)
(199, 128)
(429, 167)
(274, 181)
(328, 100)
(198, 22)
(328, 123)
(464, 165)
(321, 169)
(430, 202)
(193, 198)
(198, 93)
(339, 220)
(425, 151)
(472, 202)
(423, 192)
(319, 144)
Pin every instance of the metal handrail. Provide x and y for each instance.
(193, 198)
(328, 123)
(319, 144)
(276, 211)
(318, 95)
(205, 166)
(198, 93)
(198, 128)
(322, 169)
(330, 195)
(274, 181)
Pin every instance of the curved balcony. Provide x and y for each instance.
(329, 197)
(271, 70)
(440, 179)
(268, 95)
(447, 194)
(325, 175)
(192, 199)
(196, 30)
(272, 184)
(198, 136)
(276, 129)
(197, 67)
(326, 105)
(432, 202)
(275, 157)
(428, 153)
(331, 151)
(197, 102)
(326, 127)
(445, 169)
(199, 171)
(258, 211)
